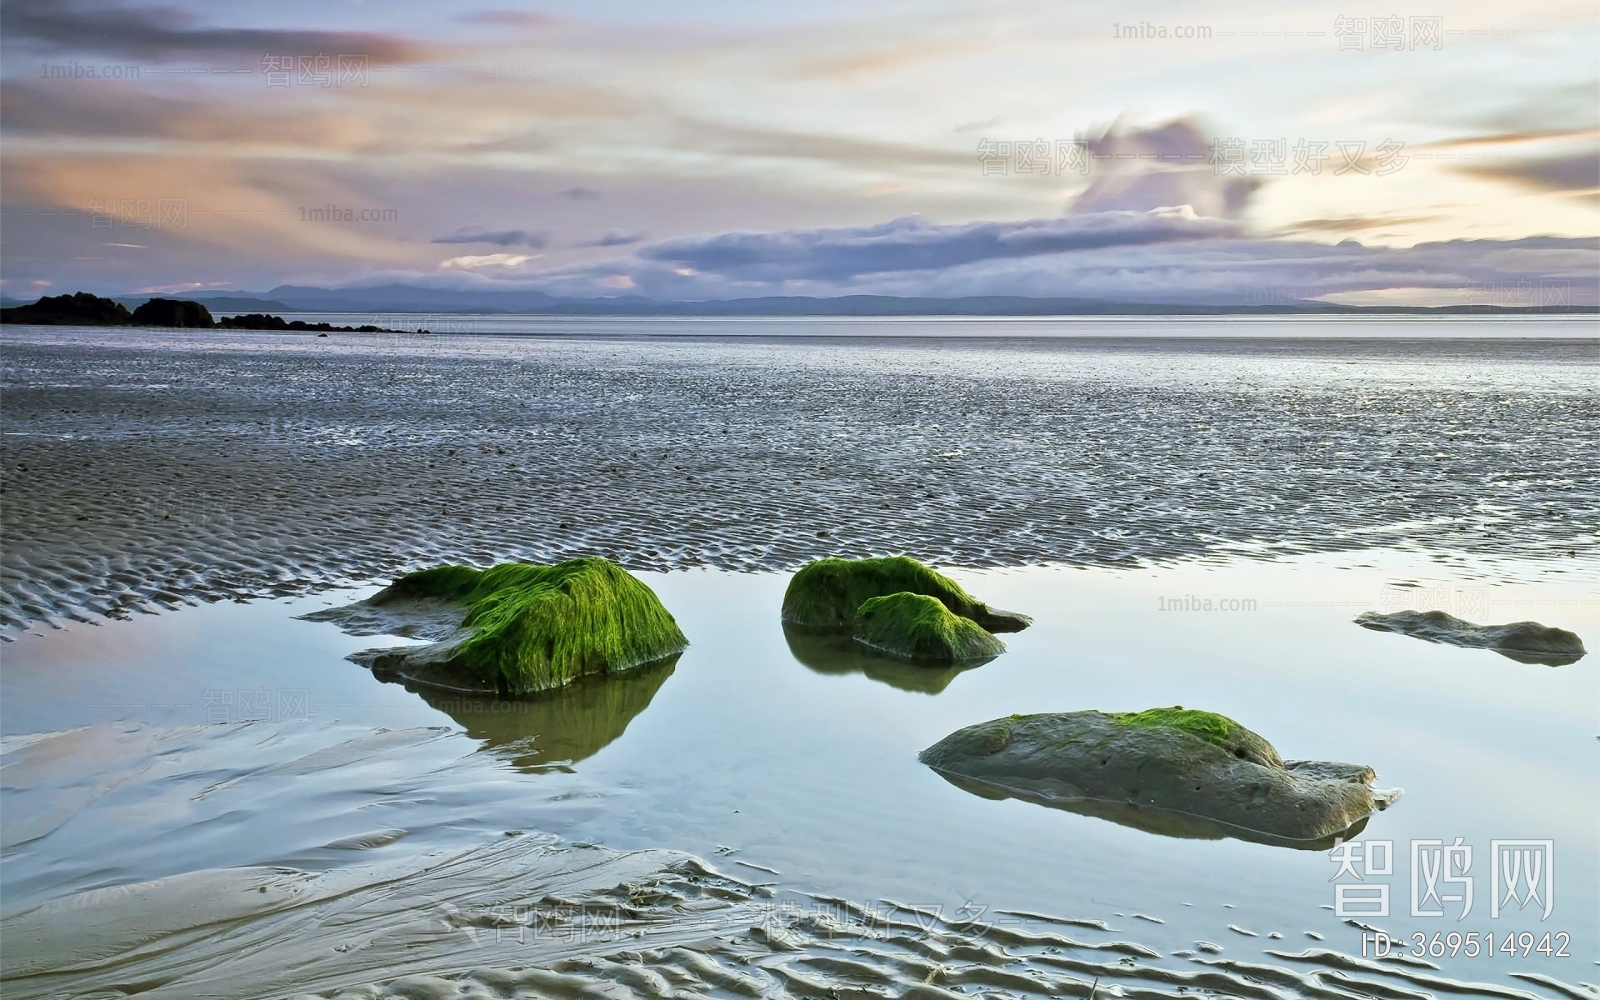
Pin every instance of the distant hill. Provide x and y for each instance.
(400, 298)
(407, 298)
(414, 299)
(225, 303)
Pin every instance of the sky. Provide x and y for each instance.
(708, 149)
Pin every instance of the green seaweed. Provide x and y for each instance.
(531, 628)
(443, 583)
(829, 592)
(1218, 730)
(919, 627)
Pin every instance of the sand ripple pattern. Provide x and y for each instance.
(538, 920)
(145, 470)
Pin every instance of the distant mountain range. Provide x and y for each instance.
(400, 298)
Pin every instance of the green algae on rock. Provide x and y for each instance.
(1209, 726)
(1178, 761)
(919, 627)
(828, 593)
(1525, 642)
(513, 629)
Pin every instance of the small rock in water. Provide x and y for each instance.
(1525, 642)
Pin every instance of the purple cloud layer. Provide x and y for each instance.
(1164, 256)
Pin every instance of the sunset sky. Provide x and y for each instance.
(717, 149)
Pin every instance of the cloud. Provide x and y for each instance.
(1573, 172)
(113, 29)
(617, 238)
(766, 144)
(500, 238)
(1356, 223)
(512, 19)
(1139, 169)
(488, 260)
(914, 245)
(1164, 257)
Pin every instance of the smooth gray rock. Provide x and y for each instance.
(1525, 642)
(1181, 783)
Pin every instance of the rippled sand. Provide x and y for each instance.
(144, 470)
(526, 916)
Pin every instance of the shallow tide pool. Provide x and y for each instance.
(233, 735)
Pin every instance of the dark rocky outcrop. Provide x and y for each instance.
(173, 313)
(83, 309)
(77, 309)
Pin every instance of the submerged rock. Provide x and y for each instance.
(513, 629)
(1525, 642)
(1179, 765)
(828, 593)
(918, 627)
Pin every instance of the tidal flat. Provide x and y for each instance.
(211, 800)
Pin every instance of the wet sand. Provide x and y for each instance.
(383, 834)
(143, 470)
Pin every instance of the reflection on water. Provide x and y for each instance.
(559, 727)
(1541, 659)
(836, 653)
(1160, 821)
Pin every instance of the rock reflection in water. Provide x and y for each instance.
(556, 728)
(1164, 822)
(836, 653)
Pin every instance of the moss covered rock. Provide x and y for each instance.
(513, 629)
(919, 627)
(1525, 642)
(829, 593)
(1188, 764)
